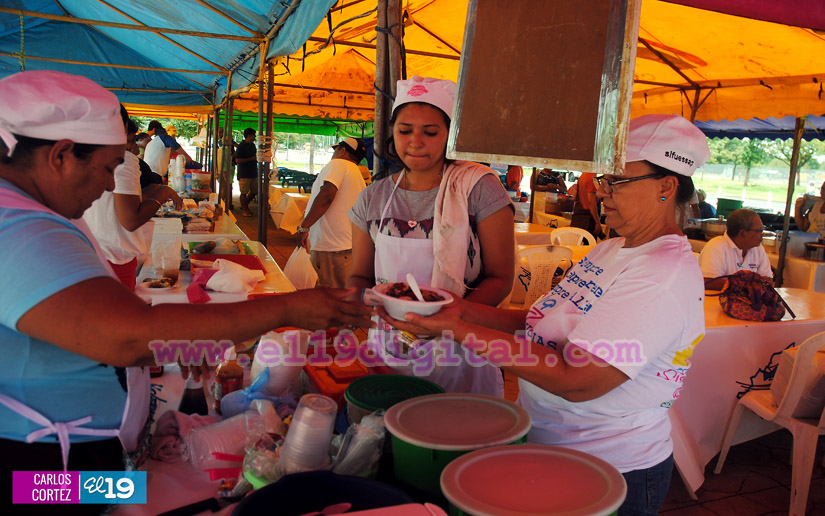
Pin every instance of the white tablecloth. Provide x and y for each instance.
(288, 212)
(522, 211)
(550, 220)
(733, 355)
(799, 272)
(532, 234)
(276, 191)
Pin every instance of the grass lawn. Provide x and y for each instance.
(759, 189)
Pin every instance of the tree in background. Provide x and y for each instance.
(748, 152)
(753, 153)
(783, 150)
(725, 151)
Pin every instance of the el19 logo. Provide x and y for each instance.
(112, 487)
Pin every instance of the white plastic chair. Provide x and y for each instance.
(805, 431)
(569, 235)
(537, 279)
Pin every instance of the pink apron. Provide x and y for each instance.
(136, 410)
(394, 258)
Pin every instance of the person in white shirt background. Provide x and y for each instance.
(739, 249)
(118, 220)
(160, 148)
(326, 230)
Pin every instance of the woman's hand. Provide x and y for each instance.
(445, 320)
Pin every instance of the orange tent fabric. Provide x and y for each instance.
(731, 67)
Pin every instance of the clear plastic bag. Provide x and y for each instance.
(361, 447)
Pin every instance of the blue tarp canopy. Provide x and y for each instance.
(769, 128)
(173, 54)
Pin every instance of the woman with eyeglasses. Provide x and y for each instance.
(602, 356)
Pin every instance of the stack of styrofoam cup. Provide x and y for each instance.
(307, 441)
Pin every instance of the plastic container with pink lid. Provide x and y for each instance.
(532, 480)
(428, 432)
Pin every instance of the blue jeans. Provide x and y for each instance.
(646, 489)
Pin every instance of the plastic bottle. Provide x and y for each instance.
(228, 377)
(193, 400)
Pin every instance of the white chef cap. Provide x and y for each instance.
(436, 92)
(53, 105)
(669, 141)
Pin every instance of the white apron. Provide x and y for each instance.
(136, 409)
(394, 258)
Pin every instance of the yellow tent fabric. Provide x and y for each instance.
(341, 87)
(741, 68)
(745, 68)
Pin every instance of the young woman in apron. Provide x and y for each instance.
(448, 224)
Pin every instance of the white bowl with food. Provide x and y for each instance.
(398, 299)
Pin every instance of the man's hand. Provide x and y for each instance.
(329, 307)
(302, 239)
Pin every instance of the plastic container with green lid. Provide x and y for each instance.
(382, 391)
(532, 480)
(428, 432)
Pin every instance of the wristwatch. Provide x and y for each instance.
(302, 229)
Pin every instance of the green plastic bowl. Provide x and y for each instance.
(382, 391)
(429, 432)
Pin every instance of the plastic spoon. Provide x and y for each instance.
(414, 286)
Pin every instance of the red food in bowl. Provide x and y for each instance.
(403, 291)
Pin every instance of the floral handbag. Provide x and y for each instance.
(751, 297)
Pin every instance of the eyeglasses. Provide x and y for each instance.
(607, 184)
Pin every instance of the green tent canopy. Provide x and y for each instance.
(303, 125)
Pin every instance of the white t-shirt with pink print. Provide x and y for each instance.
(642, 311)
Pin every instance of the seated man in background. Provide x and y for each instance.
(809, 212)
(739, 249)
(547, 180)
(706, 210)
